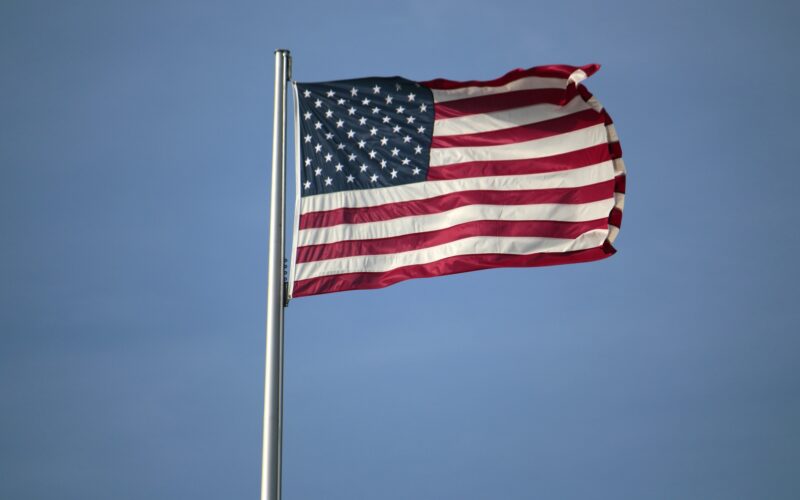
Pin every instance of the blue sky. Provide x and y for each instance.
(134, 163)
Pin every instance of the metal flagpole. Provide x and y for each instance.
(273, 372)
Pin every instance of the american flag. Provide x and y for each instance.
(400, 179)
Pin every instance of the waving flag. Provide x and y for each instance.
(400, 179)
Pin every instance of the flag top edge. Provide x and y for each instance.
(546, 71)
(574, 73)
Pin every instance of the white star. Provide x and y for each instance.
(374, 178)
(406, 139)
(418, 149)
(350, 134)
(307, 138)
(400, 109)
(328, 113)
(351, 111)
(307, 115)
(406, 161)
(386, 119)
(416, 171)
(350, 178)
(372, 154)
(363, 167)
(339, 167)
(383, 164)
(361, 144)
(339, 123)
(306, 93)
(308, 162)
(318, 148)
(317, 125)
(396, 129)
(330, 93)
(411, 97)
(397, 87)
(329, 136)
(317, 103)
(395, 152)
(328, 181)
(384, 141)
(317, 171)
(365, 102)
(340, 146)
(328, 157)
(376, 89)
(340, 101)
(410, 119)
(423, 107)
(388, 99)
(373, 131)
(393, 173)
(375, 110)
(351, 157)
(420, 130)
(307, 184)
(362, 121)
(353, 91)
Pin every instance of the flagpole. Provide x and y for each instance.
(273, 371)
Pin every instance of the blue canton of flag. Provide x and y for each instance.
(363, 133)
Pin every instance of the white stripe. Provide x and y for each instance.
(526, 83)
(619, 166)
(499, 120)
(595, 104)
(612, 133)
(613, 231)
(576, 177)
(443, 220)
(619, 200)
(466, 246)
(537, 148)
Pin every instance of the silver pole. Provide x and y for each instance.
(273, 372)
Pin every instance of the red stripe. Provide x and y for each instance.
(619, 183)
(615, 218)
(522, 133)
(443, 203)
(565, 161)
(450, 265)
(549, 71)
(615, 149)
(584, 92)
(414, 241)
(500, 102)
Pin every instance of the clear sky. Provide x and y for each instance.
(134, 163)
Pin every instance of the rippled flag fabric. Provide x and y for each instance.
(400, 179)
